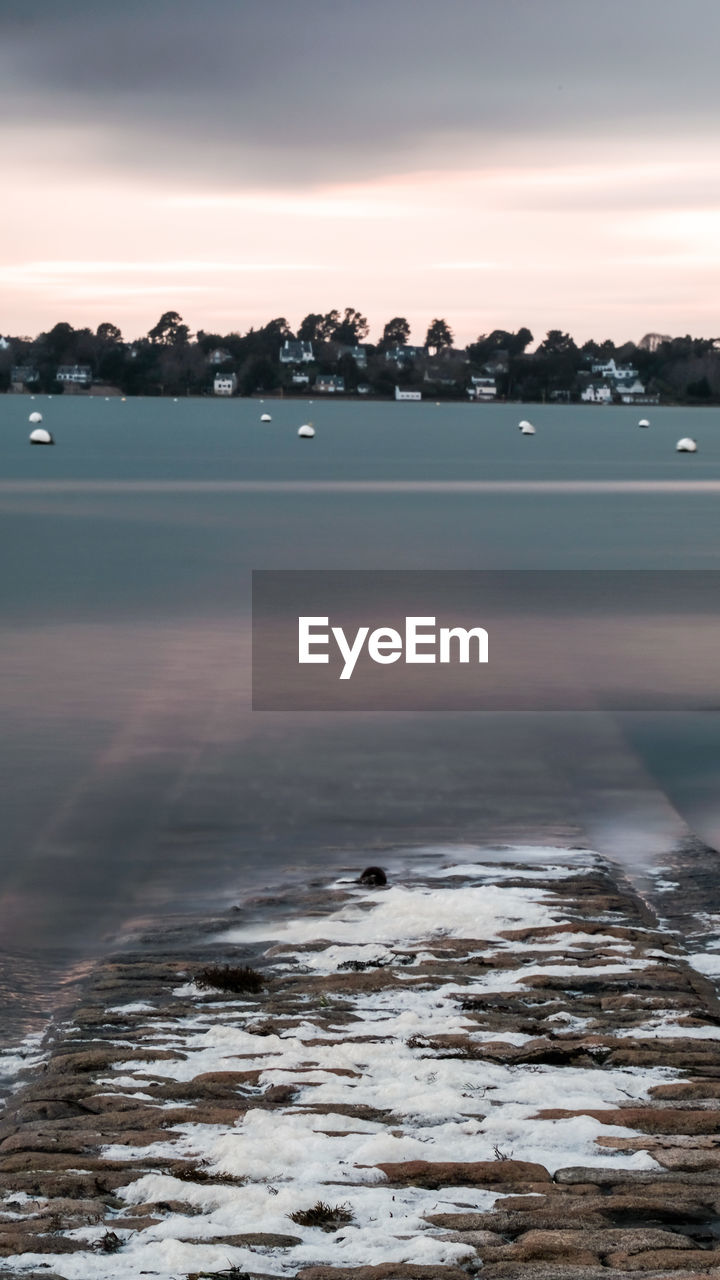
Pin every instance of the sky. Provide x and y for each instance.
(497, 163)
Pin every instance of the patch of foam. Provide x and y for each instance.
(136, 1006)
(404, 915)
(705, 962)
(23, 1056)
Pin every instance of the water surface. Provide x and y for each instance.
(136, 782)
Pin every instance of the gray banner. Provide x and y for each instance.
(486, 640)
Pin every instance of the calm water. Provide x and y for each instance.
(136, 783)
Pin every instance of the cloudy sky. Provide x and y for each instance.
(552, 163)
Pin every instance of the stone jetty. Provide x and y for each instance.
(500, 1064)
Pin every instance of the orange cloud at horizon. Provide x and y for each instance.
(614, 247)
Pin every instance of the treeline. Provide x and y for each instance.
(169, 360)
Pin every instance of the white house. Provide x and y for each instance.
(483, 388)
(601, 394)
(635, 393)
(79, 374)
(618, 372)
(300, 379)
(292, 352)
(407, 395)
(224, 384)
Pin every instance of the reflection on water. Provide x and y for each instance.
(137, 783)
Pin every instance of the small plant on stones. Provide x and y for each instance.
(238, 978)
(327, 1217)
(230, 1273)
(193, 1171)
(109, 1243)
(502, 1155)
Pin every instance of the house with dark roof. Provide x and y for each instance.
(405, 354)
(294, 352)
(358, 353)
(22, 374)
(329, 382)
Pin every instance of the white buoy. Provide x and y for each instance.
(265, 417)
(686, 445)
(41, 436)
(306, 431)
(644, 422)
(527, 429)
(524, 423)
(35, 417)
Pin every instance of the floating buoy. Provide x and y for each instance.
(527, 429)
(265, 417)
(123, 400)
(306, 431)
(41, 436)
(524, 423)
(686, 445)
(644, 422)
(35, 417)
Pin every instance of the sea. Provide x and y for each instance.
(138, 788)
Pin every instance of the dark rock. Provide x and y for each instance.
(373, 876)
(647, 1119)
(481, 1173)
(249, 1239)
(668, 1259)
(384, 1271)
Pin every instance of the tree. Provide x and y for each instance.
(600, 350)
(439, 336)
(169, 330)
(277, 330)
(700, 390)
(328, 325)
(311, 328)
(519, 341)
(497, 342)
(57, 345)
(108, 333)
(259, 374)
(556, 343)
(395, 333)
(351, 328)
